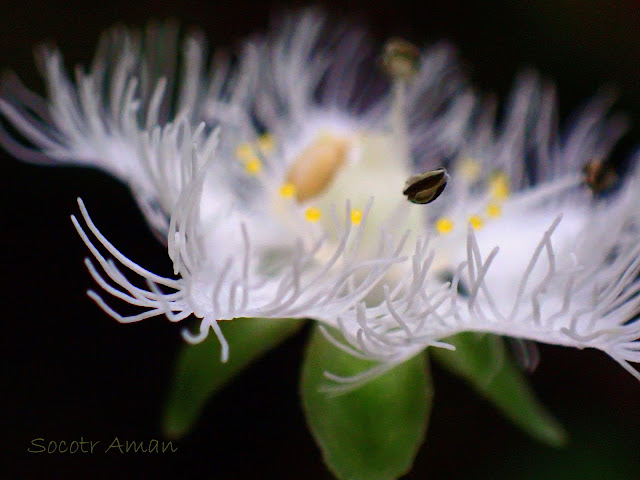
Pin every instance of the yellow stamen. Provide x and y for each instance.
(494, 210)
(499, 186)
(476, 222)
(317, 165)
(288, 190)
(444, 225)
(356, 216)
(313, 214)
(253, 166)
(470, 169)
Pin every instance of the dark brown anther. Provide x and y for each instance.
(599, 176)
(426, 187)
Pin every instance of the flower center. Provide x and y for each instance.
(316, 166)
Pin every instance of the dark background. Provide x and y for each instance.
(69, 371)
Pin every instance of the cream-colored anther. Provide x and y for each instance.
(317, 165)
(400, 58)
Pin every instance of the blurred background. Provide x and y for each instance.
(70, 371)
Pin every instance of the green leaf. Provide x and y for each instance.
(374, 431)
(199, 373)
(483, 361)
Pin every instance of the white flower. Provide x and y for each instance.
(296, 208)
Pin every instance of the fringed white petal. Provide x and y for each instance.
(590, 304)
(307, 289)
(107, 117)
(312, 70)
(526, 143)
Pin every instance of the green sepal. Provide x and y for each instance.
(483, 361)
(374, 431)
(199, 373)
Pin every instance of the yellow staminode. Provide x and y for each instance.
(245, 152)
(499, 186)
(476, 222)
(444, 225)
(253, 166)
(356, 216)
(288, 190)
(494, 210)
(313, 214)
(266, 143)
(470, 169)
